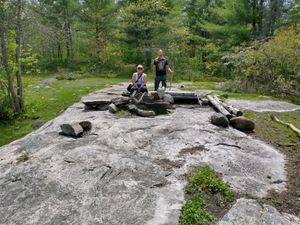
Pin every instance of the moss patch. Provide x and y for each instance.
(208, 197)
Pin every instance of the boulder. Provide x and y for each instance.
(72, 129)
(132, 108)
(86, 126)
(168, 98)
(112, 108)
(243, 124)
(159, 107)
(219, 119)
(76, 129)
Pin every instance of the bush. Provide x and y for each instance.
(6, 108)
(271, 66)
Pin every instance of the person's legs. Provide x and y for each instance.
(133, 88)
(156, 82)
(164, 81)
(144, 89)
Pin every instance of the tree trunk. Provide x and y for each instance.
(69, 42)
(5, 60)
(260, 16)
(18, 55)
(272, 16)
(254, 16)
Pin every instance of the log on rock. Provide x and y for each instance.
(180, 96)
(96, 102)
(145, 113)
(243, 124)
(230, 108)
(218, 106)
(219, 119)
(120, 100)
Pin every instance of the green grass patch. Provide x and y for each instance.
(207, 197)
(273, 131)
(202, 85)
(287, 142)
(46, 101)
(124, 113)
(23, 158)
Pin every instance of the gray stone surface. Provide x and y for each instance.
(219, 119)
(262, 105)
(249, 212)
(117, 174)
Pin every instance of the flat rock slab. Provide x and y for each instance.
(248, 211)
(115, 176)
(262, 105)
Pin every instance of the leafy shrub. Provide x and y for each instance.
(206, 179)
(193, 212)
(6, 108)
(271, 66)
(205, 191)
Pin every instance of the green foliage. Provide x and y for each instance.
(194, 213)
(23, 157)
(204, 185)
(6, 108)
(142, 21)
(206, 179)
(269, 67)
(29, 61)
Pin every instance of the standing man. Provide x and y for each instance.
(160, 67)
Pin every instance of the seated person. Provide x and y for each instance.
(139, 81)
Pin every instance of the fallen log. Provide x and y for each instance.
(181, 96)
(289, 125)
(230, 108)
(145, 113)
(218, 106)
(120, 100)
